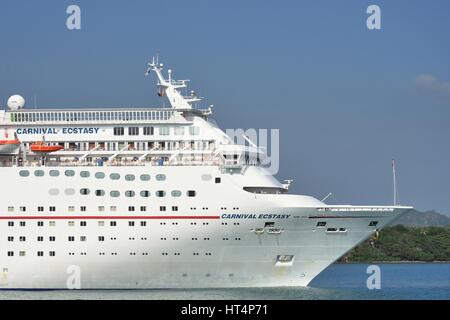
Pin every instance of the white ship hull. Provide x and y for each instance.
(225, 252)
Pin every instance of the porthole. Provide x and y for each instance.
(39, 173)
(84, 174)
(53, 192)
(99, 193)
(129, 193)
(145, 193)
(145, 177)
(160, 193)
(129, 177)
(114, 176)
(99, 175)
(176, 193)
(69, 192)
(160, 177)
(114, 193)
(54, 173)
(69, 173)
(84, 191)
(24, 173)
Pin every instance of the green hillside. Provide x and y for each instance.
(400, 243)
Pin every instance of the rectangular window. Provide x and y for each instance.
(131, 223)
(52, 238)
(164, 131)
(191, 193)
(22, 238)
(10, 209)
(22, 223)
(10, 238)
(143, 223)
(101, 208)
(101, 223)
(179, 131)
(71, 208)
(373, 223)
(143, 208)
(83, 223)
(10, 253)
(101, 238)
(321, 224)
(217, 180)
(51, 253)
(83, 238)
(133, 131)
(10, 223)
(40, 223)
(113, 208)
(149, 131)
(40, 209)
(113, 223)
(71, 238)
(194, 131)
(71, 223)
(174, 208)
(52, 209)
(40, 253)
(52, 223)
(131, 208)
(119, 131)
(23, 209)
(82, 208)
(162, 208)
(40, 238)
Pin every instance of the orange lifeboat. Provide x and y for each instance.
(10, 146)
(42, 147)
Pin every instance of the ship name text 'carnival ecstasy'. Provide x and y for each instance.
(156, 198)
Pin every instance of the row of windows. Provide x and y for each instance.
(90, 116)
(100, 208)
(87, 174)
(324, 223)
(102, 238)
(111, 223)
(149, 131)
(53, 253)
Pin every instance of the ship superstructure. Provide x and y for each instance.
(157, 198)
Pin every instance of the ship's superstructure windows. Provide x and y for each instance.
(40, 223)
(162, 208)
(143, 208)
(160, 193)
(217, 180)
(160, 177)
(23, 209)
(373, 223)
(129, 177)
(71, 208)
(84, 191)
(119, 131)
(176, 193)
(52, 209)
(69, 173)
(39, 173)
(148, 131)
(10, 223)
(54, 173)
(101, 208)
(321, 224)
(133, 131)
(174, 208)
(129, 193)
(113, 223)
(164, 131)
(114, 176)
(51, 253)
(84, 174)
(71, 238)
(53, 192)
(10, 238)
(100, 175)
(131, 208)
(191, 193)
(145, 177)
(113, 208)
(145, 193)
(114, 193)
(194, 131)
(99, 193)
(179, 131)
(40, 238)
(10, 209)
(69, 191)
(24, 173)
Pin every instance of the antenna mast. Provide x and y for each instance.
(394, 181)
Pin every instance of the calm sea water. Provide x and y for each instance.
(341, 281)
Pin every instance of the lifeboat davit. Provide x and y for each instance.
(42, 147)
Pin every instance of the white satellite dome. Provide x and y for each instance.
(16, 102)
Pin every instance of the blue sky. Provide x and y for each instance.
(346, 99)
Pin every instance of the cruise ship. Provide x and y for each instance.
(124, 198)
